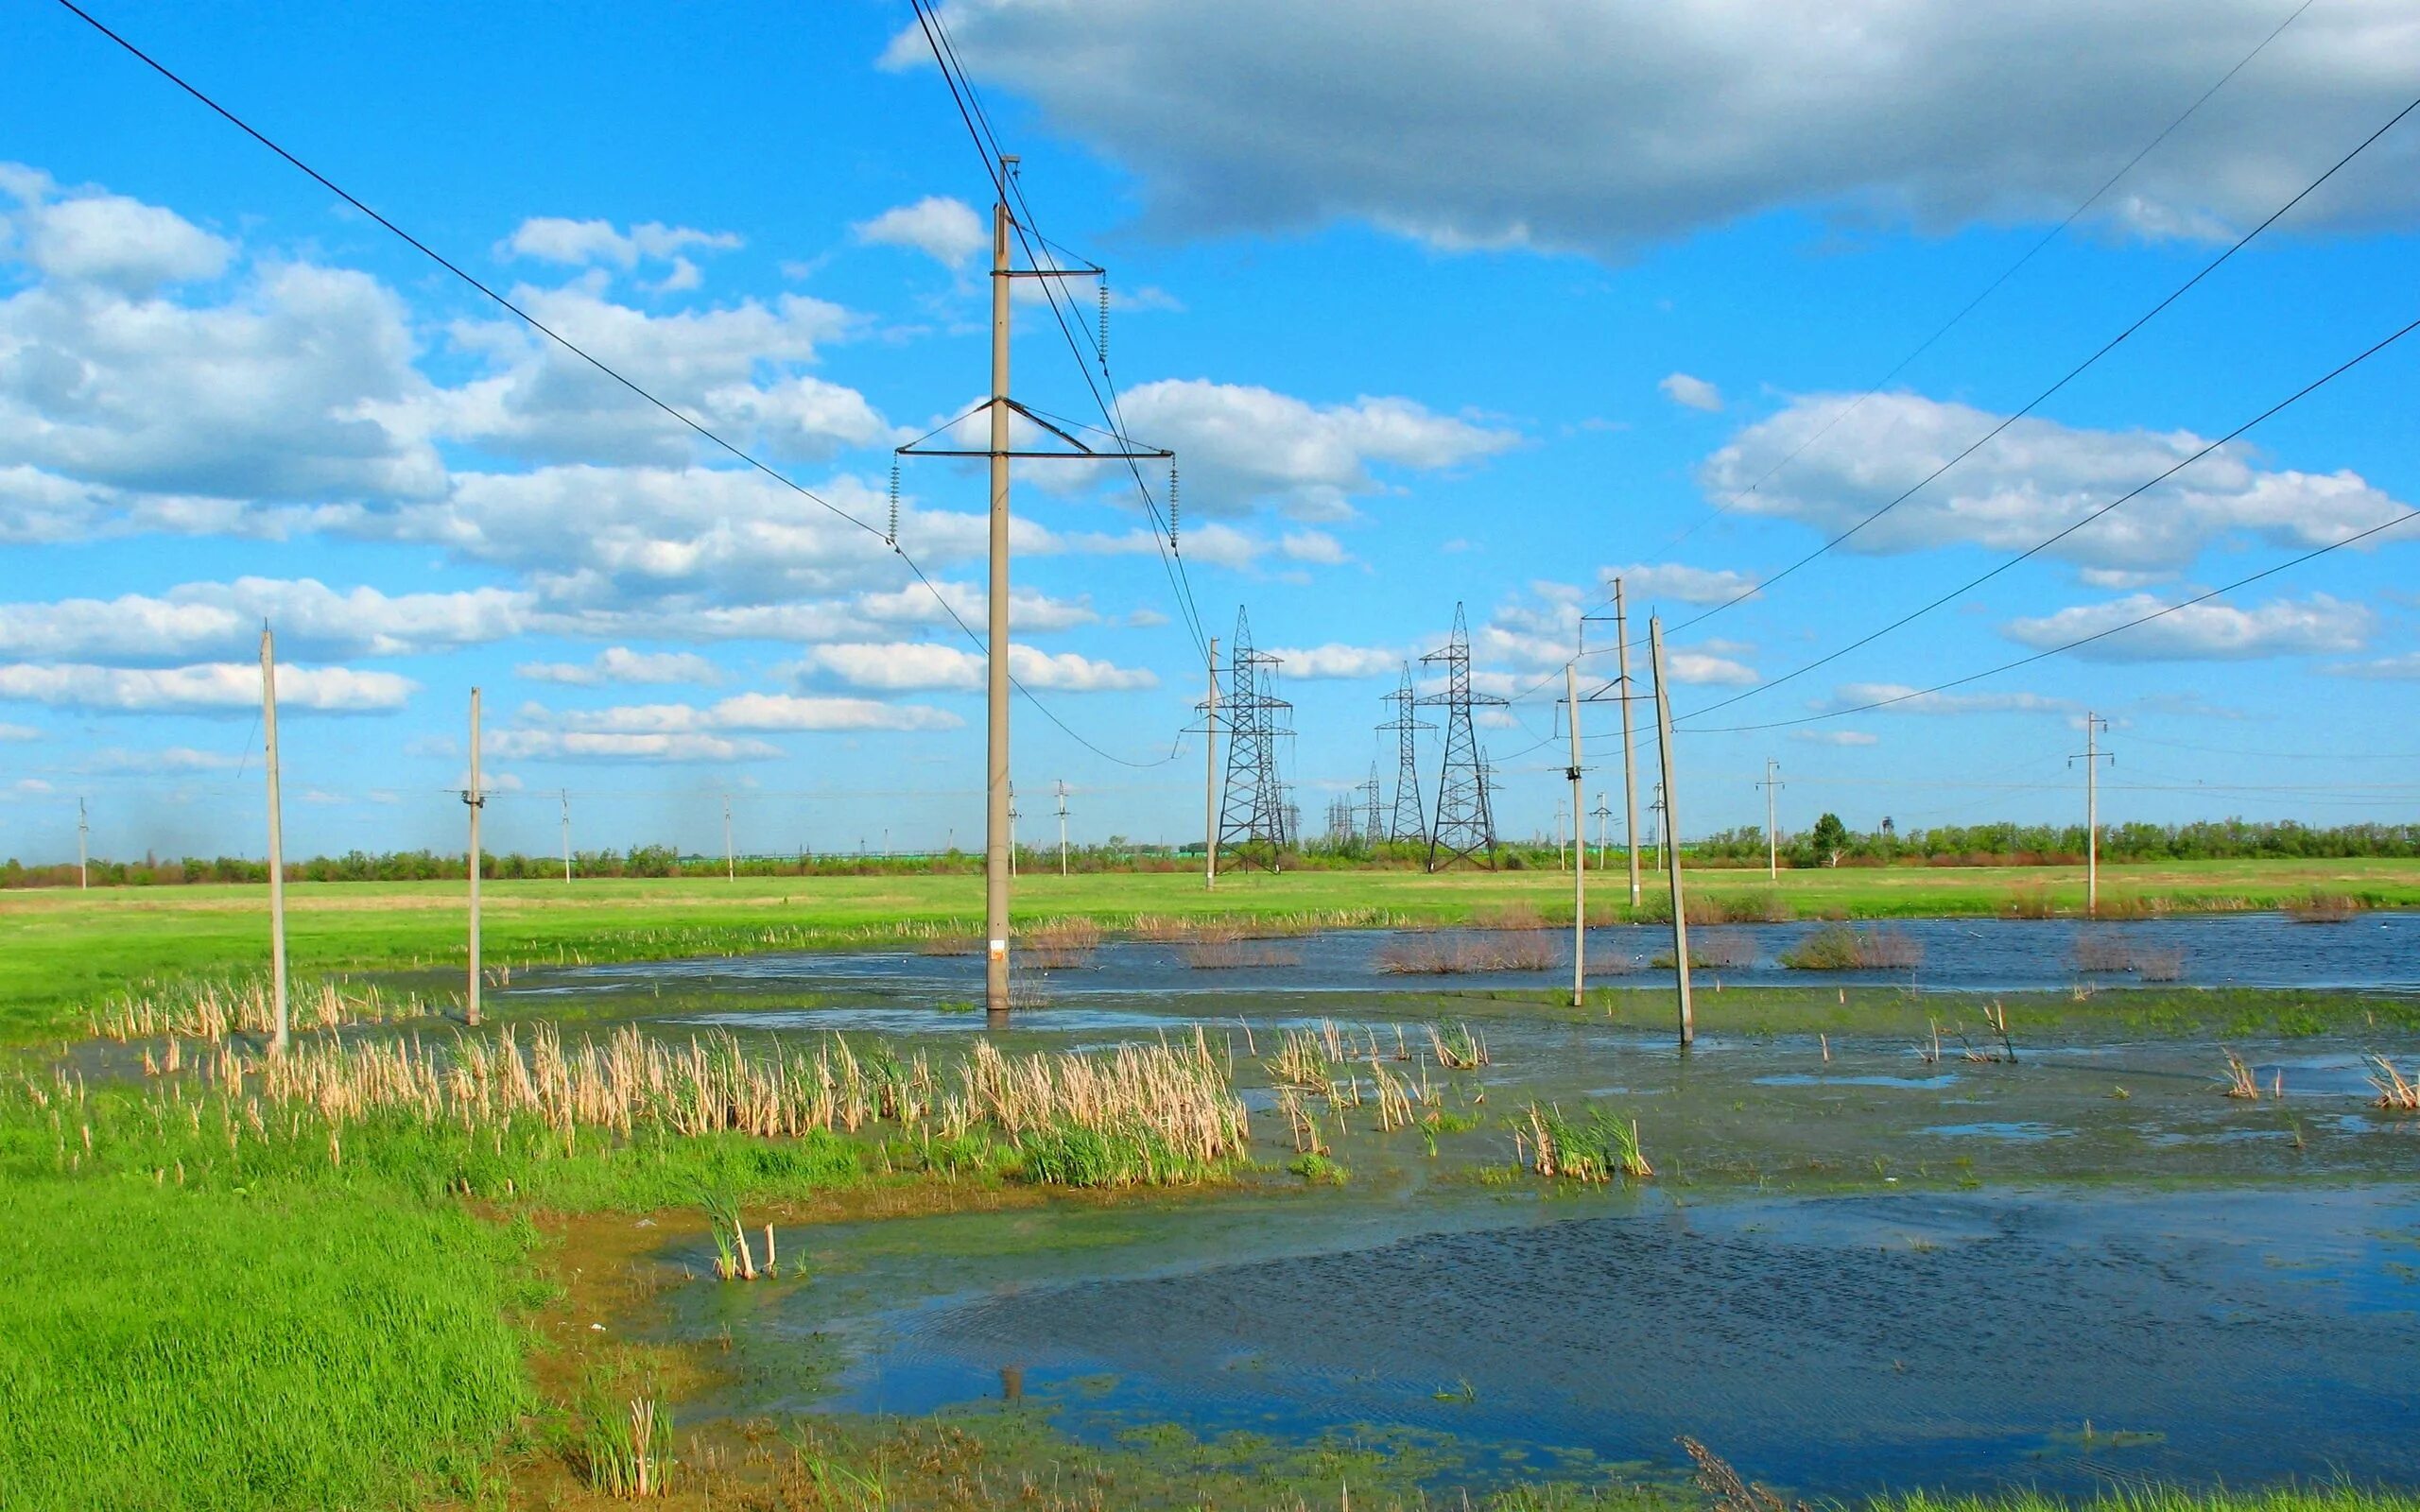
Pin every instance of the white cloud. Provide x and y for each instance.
(104, 240)
(223, 619)
(751, 713)
(19, 732)
(1691, 393)
(1644, 583)
(1902, 699)
(1241, 446)
(2203, 632)
(579, 243)
(2401, 667)
(1836, 737)
(918, 665)
(947, 230)
(170, 759)
(1336, 660)
(1697, 668)
(617, 664)
(1569, 124)
(2034, 478)
(209, 686)
(1315, 546)
(574, 744)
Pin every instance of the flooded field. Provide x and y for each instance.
(1868, 1258)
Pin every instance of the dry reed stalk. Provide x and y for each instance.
(2322, 908)
(2396, 1091)
(2240, 1082)
(1233, 954)
(1462, 1051)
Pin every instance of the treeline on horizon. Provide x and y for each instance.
(1829, 844)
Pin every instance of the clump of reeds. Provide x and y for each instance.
(1842, 949)
(1725, 1488)
(2032, 902)
(2322, 908)
(2160, 963)
(1513, 916)
(2105, 952)
(735, 1260)
(628, 1458)
(951, 944)
(2396, 1091)
(2239, 1078)
(1459, 1048)
(1466, 953)
(1061, 944)
(1596, 1148)
(210, 1009)
(1301, 1062)
(1233, 954)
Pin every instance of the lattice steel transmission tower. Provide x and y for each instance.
(1254, 818)
(1465, 820)
(1408, 823)
(1372, 817)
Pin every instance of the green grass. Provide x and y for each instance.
(69, 950)
(168, 1349)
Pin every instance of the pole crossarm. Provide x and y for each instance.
(1128, 451)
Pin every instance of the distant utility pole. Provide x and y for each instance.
(2092, 758)
(565, 795)
(1671, 828)
(276, 842)
(1579, 847)
(1624, 692)
(1013, 831)
(1562, 855)
(730, 865)
(1210, 775)
(998, 864)
(83, 849)
(1062, 829)
(1604, 817)
(475, 800)
(1771, 784)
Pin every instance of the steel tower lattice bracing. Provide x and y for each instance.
(1253, 813)
(1465, 824)
(1373, 819)
(1408, 823)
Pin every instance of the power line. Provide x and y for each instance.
(2088, 518)
(1993, 286)
(2071, 374)
(2083, 639)
(574, 349)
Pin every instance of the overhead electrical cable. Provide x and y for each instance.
(702, 430)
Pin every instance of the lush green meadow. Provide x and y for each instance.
(68, 950)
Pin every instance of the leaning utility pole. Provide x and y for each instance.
(1578, 848)
(1062, 829)
(83, 849)
(565, 795)
(998, 841)
(476, 800)
(1672, 829)
(1771, 784)
(1210, 776)
(276, 842)
(2092, 758)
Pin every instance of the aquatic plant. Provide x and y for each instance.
(1464, 953)
(1725, 1488)
(210, 1009)
(1841, 949)
(628, 1458)
(1233, 954)
(2240, 1082)
(2396, 1091)
(1459, 1048)
(1594, 1149)
(2320, 908)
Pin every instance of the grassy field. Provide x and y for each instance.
(68, 950)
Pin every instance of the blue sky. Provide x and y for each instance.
(1436, 305)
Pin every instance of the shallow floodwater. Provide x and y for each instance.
(2371, 952)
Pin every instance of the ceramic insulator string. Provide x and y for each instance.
(1171, 507)
(890, 538)
(1104, 320)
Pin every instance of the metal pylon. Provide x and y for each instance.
(1408, 823)
(1465, 819)
(1254, 816)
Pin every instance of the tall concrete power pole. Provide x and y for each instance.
(83, 849)
(1579, 847)
(2092, 757)
(1671, 830)
(565, 795)
(1630, 764)
(1062, 829)
(476, 799)
(276, 843)
(1771, 784)
(1210, 775)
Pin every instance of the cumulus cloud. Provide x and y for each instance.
(947, 230)
(1902, 699)
(920, 666)
(579, 243)
(2036, 477)
(1646, 582)
(1336, 660)
(1244, 446)
(89, 236)
(1836, 737)
(1573, 125)
(618, 663)
(751, 713)
(220, 619)
(1698, 667)
(207, 687)
(2402, 667)
(2321, 624)
(1691, 393)
(578, 745)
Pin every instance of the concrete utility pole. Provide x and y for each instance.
(1629, 773)
(1579, 849)
(565, 795)
(1013, 831)
(730, 866)
(1771, 784)
(1062, 829)
(1210, 777)
(1673, 830)
(83, 849)
(276, 843)
(1562, 854)
(476, 799)
(1603, 816)
(2092, 758)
